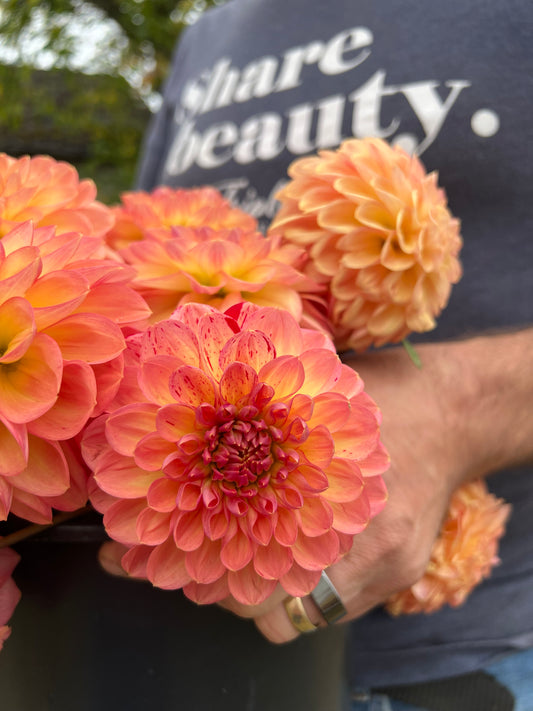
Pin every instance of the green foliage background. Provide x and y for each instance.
(95, 122)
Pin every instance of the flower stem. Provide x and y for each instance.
(36, 528)
(411, 352)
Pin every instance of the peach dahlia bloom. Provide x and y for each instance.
(463, 555)
(61, 359)
(252, 458)
(49, 192)
(379, 237)
(220, 267)
(9, 593)
(155, 214)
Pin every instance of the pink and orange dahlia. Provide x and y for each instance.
(245, 455)
(9, 592)
(49, 193)
(463, 555)
(61, 358)
(157, 213)
(379, 237)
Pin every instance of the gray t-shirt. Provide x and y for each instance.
(258, 83)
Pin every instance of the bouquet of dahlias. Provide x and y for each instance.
(178, 369)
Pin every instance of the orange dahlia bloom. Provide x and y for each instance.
(61, 358)
(379, 237)
(251, 460)
(220, 267)
(155, 214)
(9, 593)
(49, 192)
(463, 555)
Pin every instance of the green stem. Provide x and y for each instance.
(411, 352)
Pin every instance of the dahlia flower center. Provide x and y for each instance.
(239, 451)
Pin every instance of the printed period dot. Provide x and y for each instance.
(485, 123)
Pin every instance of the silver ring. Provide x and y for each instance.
(326, 598)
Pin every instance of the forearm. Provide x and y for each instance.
(496, 399)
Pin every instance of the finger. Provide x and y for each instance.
(276, 624)
(248, 611)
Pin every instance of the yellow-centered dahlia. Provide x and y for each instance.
(463, 555)
(379, 237)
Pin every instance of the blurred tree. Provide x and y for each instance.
(144, 36)
(82, 109)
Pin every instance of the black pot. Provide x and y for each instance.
(85, 641)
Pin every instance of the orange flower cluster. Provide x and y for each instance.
(378, 236)
(463, 555)
(192, 246)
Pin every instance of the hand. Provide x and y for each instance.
(423, 432)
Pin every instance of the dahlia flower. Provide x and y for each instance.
(463, 555)
(9, 593)
(155, 214)
(379, 237)
(49, 192)
(61, 359)
(220, 267)
(244, 455)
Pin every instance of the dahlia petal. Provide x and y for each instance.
(9, 598)
(6, 498)
(248, 588)
(204, 564)
(154, 377)
(135, 561)
(13, 448)
(272, 561)
(162, 495)
(171, 338)
(250, 347)
(175, 421)
(237, 382)
(376, 492)
(166, 567)
(285, 375)
(18, 271)
(9, 559)
(119, 476)
(349, 384)
(316, 516)
(30, 387)
(17, 328)
(77, 493)
(54, 296)
(280, 327)
(237, 551)
(120, 520)
(215, 522)
(330, 409)
(318, 552)
(338, 216)
(152, 451)
(126, 426)
(207, 594)
(286, 529)
(298, 581)
(361, 248)
(322, 371)
(359, 437)
(262, 530)
(214, 331)
(108, 378)
(46, 473)
(153, 527)
(189, 531)
(351, 516)
(117, 302)
(31, 507)
(319, 447)
(191, 386)
(73, 407)
(309, 479)
(345, 481)
(88, 337)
